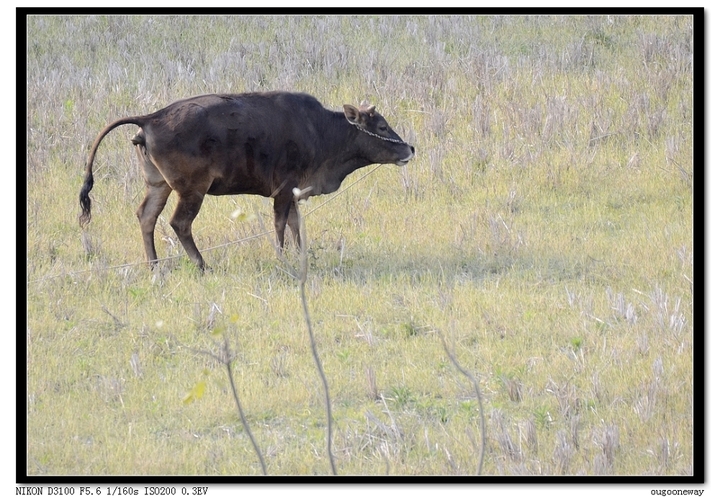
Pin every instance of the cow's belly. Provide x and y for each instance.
(221, 186)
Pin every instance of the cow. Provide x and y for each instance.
(252, 143)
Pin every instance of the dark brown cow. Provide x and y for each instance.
(254, 143)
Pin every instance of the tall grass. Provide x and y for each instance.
(544, 229)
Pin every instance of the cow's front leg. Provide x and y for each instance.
(294, 223)
(281, 207)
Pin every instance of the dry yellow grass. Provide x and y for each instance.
(544, 229)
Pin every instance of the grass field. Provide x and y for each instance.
(544, 230)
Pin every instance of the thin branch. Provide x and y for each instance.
(227, 359)
(301, 276)
(303, 279)
(477, 394)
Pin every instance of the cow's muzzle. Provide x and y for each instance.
(403, 162)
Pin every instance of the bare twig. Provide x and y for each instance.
(301, 276)
(477, 394)
(226, 357)
(313, 347)
(118, 323)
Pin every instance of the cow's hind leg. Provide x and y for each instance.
(187, 209)
(155, 198)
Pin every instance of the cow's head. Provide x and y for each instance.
(379, 142)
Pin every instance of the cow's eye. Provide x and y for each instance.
(382, 127)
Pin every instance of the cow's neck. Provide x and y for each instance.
(343, 155)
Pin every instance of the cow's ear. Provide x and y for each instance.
(352, 114)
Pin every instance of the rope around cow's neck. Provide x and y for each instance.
(393, 140)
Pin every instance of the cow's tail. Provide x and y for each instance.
(88, 184)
